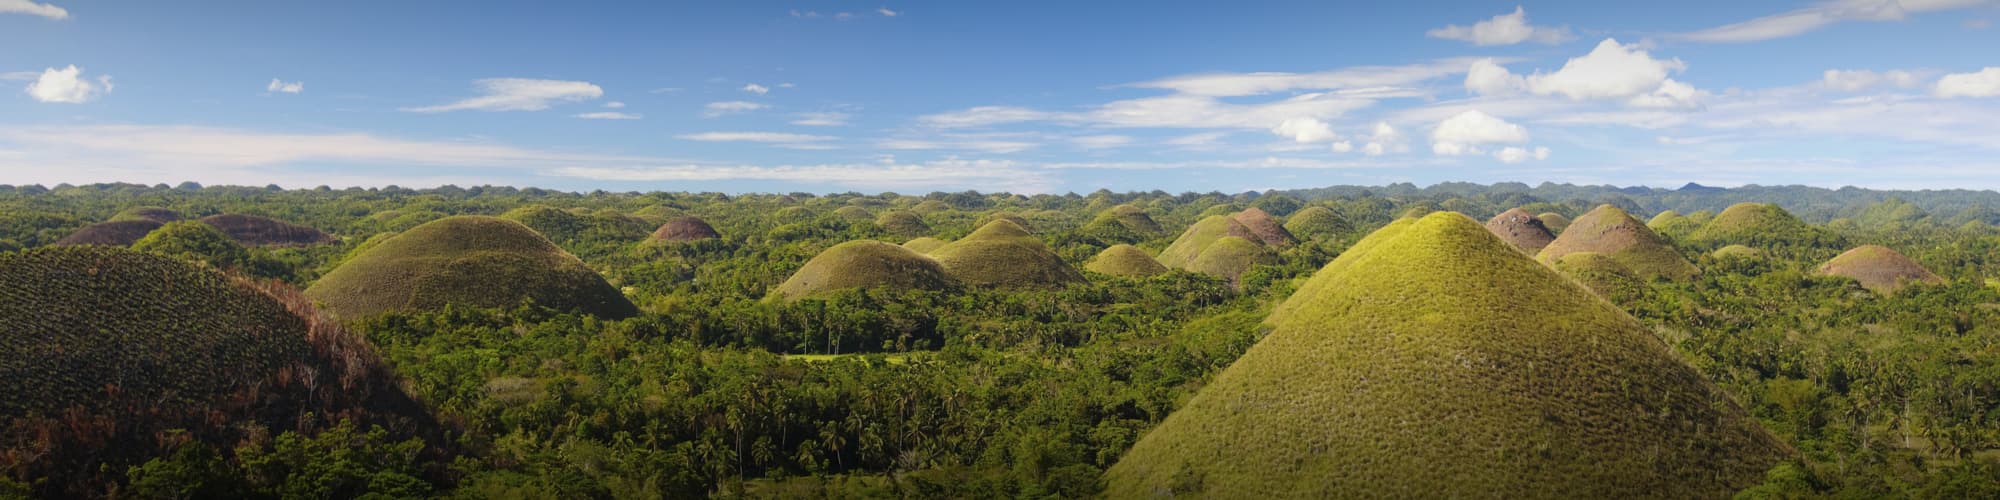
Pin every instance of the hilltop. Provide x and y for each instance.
(118, 233)
(265, 231)
(564, 226)
(1125, 223)
(925, 244)
(1182, 252)
(685, 228)
(1754, 224)
(1230, 257)
(1611, 231)
(902, 223)
(155, 214)
(1521, 229)
(1264, 228)
(470, 261)
(865, 264)
(1442, 362)
(1556, 222)
(1316, 222)
(1003, 254)
(1879, 269)
(1124, 260)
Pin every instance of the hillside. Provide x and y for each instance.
(470, 261)
(120, 233)
(865, 264)
(1264, 228)
(1556, 222)
(685, 228)
(264, 231)
(564, 226)
(1003, 254)
(1754, 224)
(155, 214)
(1611, 231)
(1229, 257)
(1316, 222)
(1394, 378)
(1519, 228)
(903, 223)
(925, 244)
(1878, 268)
(1124, 260)
(1182, 252)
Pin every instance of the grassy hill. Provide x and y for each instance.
(1603, 275)
(1124, 260)
(685, 228)
(903, 223)
(1441, 362)
(1878, 268)
(1182, 252)
(1554, 221)
(1123, 223)
(566, 227)
(925, 245)
(1611, 231)
(155, 214)
(1264, 227)
(865, 264)
(265, 231)
(1003, 254)
(1672, 224)
(1755, 224)
(1316, 222)
(465, 260)
(118, 233)
(1521, 229)
(1229, 257)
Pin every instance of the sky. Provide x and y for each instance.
(1018, 96)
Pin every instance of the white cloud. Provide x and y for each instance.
(1466, 132)
(1807, 19)
(20, 75)
(1343, 146)
(285, 87)
(1985, 83)
(1670, 95)
(1383, 139)
(715, 109)
(1513, 154)
(985, 143)
(821, 119)
(1504, 29)
(942, 174)
(608, 115)
(1358, 77)
(753, 137)
(1487, 77)
(1101, 141)
(33, 9)
(1305, 130)
(67, 85)
(518, 94)
(887, 13)
(1861, 79)
(1201, 140)
(614, 105)
(756, 89)
(1609, 71)
(981, 116)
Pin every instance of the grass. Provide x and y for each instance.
(1316, 222)
(1736, 252)
(155, 214)
(1182, 252)
(1264, 228)
(1879, 269)
(1603, 275)
(1124, 260)
(1437, 361)
(685, 228)
(567, 227)
(854, 213)
(469, 261)
(1123, 223)
(1521, 229)
(865, 264)
(265, 231)
(903, 223)
(1611, 231)
(1229, 257)
(925, 244)
(1752, 223)
(1672, 224)
(1003, 254)
(1557, 223)
(121, 233)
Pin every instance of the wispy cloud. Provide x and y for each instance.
(756, 89)
(1801, 21)
(608, 115)
(281, 86)
(715, 109)
(33, 9)
(753, 137)
(821, 119)
(518, 94)
(1504, 29)
(942, 174)
(885, 12)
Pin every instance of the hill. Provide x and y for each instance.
(1264, 227)
(865, 264)
(265, 231)
(1736, 252)
(122, 233)
(925, 244)
(1003, 254)
(1611, 231)
(1198, 237)
(1754, 224)
(1316, 222)
(469, 261)
(1123, 223)
(105, 350)
(903, 223)
(1519, 228)
(1601, 274)
(1443, 363)
(564, 226)
(1554, 221)
(1878, 268)
(1672, 224)
(1124, 260)
(155, 214)
(1229, 257)
(685, 228)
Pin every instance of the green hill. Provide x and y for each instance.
(1199, 236)
(903, 223)
(685, 228)
(853, 213)
(466, 260)
(1316, 222)
(1229, 257)
(1521, 229)
(865, 264)
(155, 214)
(195, 241)
(1003, 254)
(265, 231)
(1125, 260)
(1443, 363)
(120, 233)
(1009, 217)
(1556, 222)
(566, 227)
(1123, 223)
(1753, 224)
(1672, 224)
(1354, 253)
(105, 350)
(1264, 228)
(1603, 275)
(1878, 268)
(925, 244)
(1736, 252)
(1611, 231)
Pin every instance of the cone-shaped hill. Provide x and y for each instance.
(1198, 237)
(1443, 363)
(1229, 257)
(925, 244)
(469, 261)
(1611, 231)
(118, 233)
(103, 349)
(1878, 268)
(1603, 275)
(1315, 222)
(1672, 224)
(1125, 260)
(685, 228)
(265, 231)
(1753, 223)
(1556, 222)
(1521, 229)
(865, 264)
(155, 214)
(1126, 222)
(1002, 254)
(1736, 252)
(903, 223)
(564, 226)
(1264, 228)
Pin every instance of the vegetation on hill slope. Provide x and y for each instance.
(155, 214)
(1264, 228)
(1123, 223)
(1125, 260)
(903, 223)
(122, 233)
(1519, 228)
(1611, 231)
(1672, 224)
(1758, 225)
(1400, 379)
(1879, 269)
(468, 261)
(865, 264)
(1316, 222)
(571, 230)
(1602, 275)
(1556, 222)
(1002, 254)
(1199, 237)
(1230, 257)
(266, 231)
(925, 245)
(685, 228)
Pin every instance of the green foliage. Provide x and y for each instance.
(1316, 222)
(195, 241)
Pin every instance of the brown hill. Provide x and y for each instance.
(865, 264)
(155, 214)
(1264, 228)
(265, 231)
(1199, 236)
(1879, 269)
(1521, 229)
(121, 233)
(685, 228)
(1611, 231)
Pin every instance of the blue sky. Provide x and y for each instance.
(993, 96)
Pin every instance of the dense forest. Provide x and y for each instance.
(711, 383)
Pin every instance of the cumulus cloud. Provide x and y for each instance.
(821, 119)
(1984, 83)
(1504, 29)
(937, 175)
(1358, 77)
(33, 9)
(753, 137)
(756, 89)
(1512, 154)
(1670, 95)
(1383, 139)
(1487, 77)
(280, 86)
(715, 109)
(67, 85)
(608, 115)
(518, 94)
(1466, 132)
(1610, 71)
(1828, 12)
(1305, 130)
(1861, 79)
